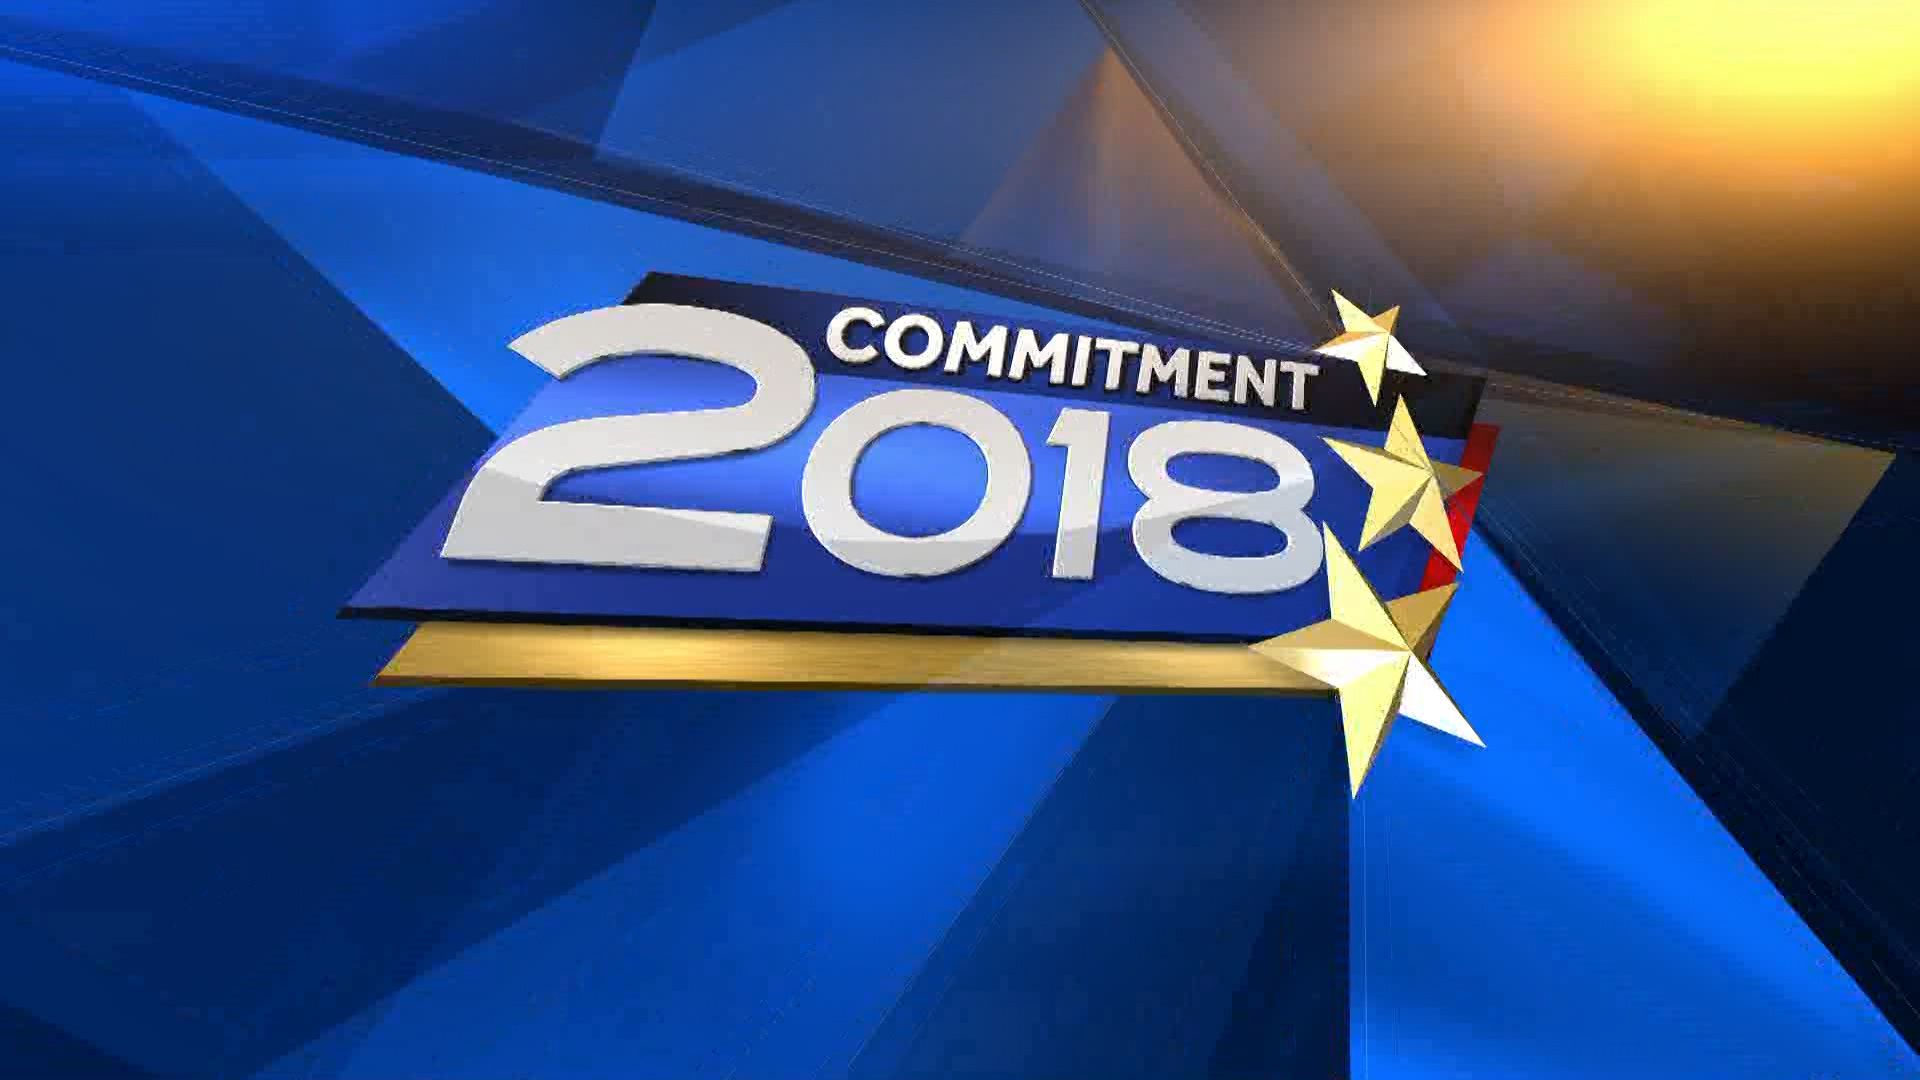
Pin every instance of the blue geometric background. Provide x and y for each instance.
(246, 356)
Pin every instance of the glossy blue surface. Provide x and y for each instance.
(223, 855)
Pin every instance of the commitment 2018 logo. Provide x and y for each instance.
(732, 485)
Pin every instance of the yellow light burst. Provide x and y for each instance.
(1775, 58)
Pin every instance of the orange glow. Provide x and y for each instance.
(1833, 85)
(1773, 56)
(1741, 89)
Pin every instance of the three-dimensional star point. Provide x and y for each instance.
(1374, 656)
(1368, 341)
(1408, 487)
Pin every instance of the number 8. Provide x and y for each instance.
(1170, 502)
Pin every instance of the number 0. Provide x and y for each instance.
(826, 485)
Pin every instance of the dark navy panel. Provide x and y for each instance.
(1813, 757)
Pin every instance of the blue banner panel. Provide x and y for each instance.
(918, 479)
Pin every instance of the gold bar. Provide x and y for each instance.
(501, 654)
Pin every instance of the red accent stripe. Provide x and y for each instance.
(1477, 455)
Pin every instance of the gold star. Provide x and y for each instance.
(1368, 341)
(1374, 656)
(1408, 487)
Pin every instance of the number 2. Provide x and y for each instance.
(505, 514)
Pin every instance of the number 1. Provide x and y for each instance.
(1076, 539)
